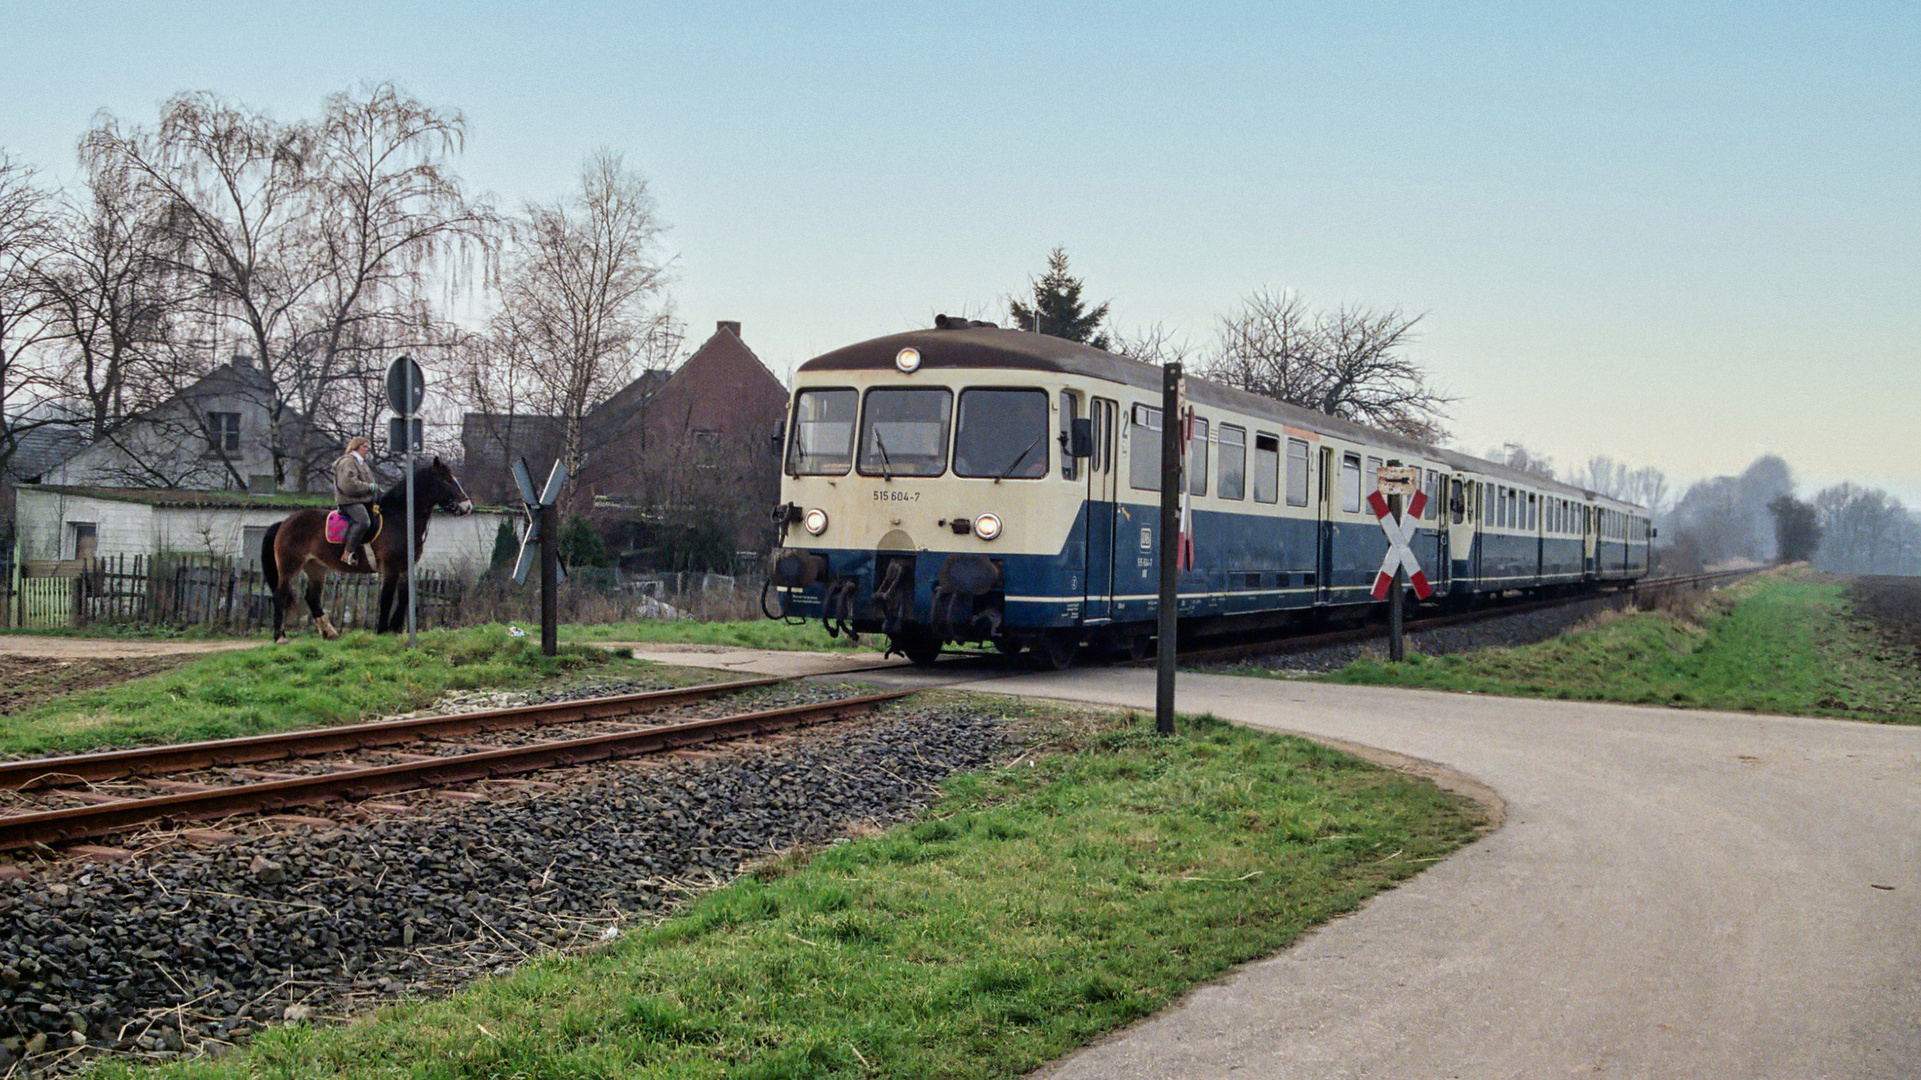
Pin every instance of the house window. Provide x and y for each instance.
(86, 538)
(223, 433)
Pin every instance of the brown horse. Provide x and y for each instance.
(300, 544)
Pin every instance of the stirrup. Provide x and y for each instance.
(350, 557)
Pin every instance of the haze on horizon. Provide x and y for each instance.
(1679, 237)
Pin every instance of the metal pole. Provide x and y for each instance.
(1396, 648)
(407, 437)
(549, 580)
(1168, 550)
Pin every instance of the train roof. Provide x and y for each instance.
(987, 347)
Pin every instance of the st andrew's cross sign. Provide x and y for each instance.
(1400, 539)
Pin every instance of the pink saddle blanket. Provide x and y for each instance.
(337, 524)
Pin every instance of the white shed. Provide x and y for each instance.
(54, 522)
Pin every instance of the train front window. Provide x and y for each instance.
(823, 442)
(904, 432)
(1001, 434)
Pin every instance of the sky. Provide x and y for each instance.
(1680, 235)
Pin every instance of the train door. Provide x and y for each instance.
(1459, 526)
(1324, 531)
(1102, 476)
(1436, 511)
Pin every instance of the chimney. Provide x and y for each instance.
(242, 362)
(731, 327)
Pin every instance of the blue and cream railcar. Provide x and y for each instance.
(970, 483)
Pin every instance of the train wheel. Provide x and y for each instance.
(1053, 651)
(920, 646)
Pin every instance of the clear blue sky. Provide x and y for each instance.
(1679, 234)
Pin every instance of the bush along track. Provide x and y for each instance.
(1031, 907)
(305, 683)
(1785, 644)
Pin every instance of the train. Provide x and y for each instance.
(975, 485)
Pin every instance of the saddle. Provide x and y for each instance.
(338, 524)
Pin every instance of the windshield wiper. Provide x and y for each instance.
(1016, 463)
(886, 466)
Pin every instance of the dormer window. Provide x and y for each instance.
(223, 433)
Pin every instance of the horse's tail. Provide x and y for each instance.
(269, 566)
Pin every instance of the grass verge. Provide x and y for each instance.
(1774, 646)
(744, 633)
(1035, 907)
(306, 683)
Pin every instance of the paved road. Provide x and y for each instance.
(1674, 894)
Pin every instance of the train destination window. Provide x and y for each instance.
(1070, 410)
(823, 439)
(1233, 483)
(904, 432)
(1144, 449)
(1351, 483)
(1297, 472)
(1267, 468)
(1197, 459)
(1001, 434)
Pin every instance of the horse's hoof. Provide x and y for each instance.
(327, 629)
(281, 640)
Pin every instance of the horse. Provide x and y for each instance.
(300, 543)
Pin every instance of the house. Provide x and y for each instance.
(58, 522)
(693, 449)
(37, 448)
(215, 435)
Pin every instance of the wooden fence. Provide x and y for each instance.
(185, 591)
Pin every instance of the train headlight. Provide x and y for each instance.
(815, 521)
(987, 526)
(907, 360)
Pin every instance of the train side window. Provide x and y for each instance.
(1144, 448)
(1197, 458)
(1297, 472)
(1351, 483)
(1534, 513)
(1457, 502)
(1233, 483)
(1267, 468)
(1070, 411)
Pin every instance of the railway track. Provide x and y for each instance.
(76, 778)
(1204, 652)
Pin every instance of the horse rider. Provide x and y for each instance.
(353, 490)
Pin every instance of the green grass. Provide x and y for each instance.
(1776, 646)
(306, 683)
(1034, 908)
(746, 633)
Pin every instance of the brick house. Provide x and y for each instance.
(694, 447)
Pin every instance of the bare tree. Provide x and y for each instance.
(1351, 362)
(583, 306)
(313, 245)
(1516, 456)
(113, 294)
(1154, 344)
(27, 231)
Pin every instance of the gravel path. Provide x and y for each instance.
(1524, 628)
(167, 955)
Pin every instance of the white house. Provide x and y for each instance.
(57, 522)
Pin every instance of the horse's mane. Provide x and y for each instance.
(395, 498)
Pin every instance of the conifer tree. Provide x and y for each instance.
(1063, 313)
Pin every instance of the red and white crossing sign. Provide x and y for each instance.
(1400, 537)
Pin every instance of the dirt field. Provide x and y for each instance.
(29, 680)
(1894, 606)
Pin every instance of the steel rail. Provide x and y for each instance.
(101, 819)
(252, 749)
(1299, 643)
